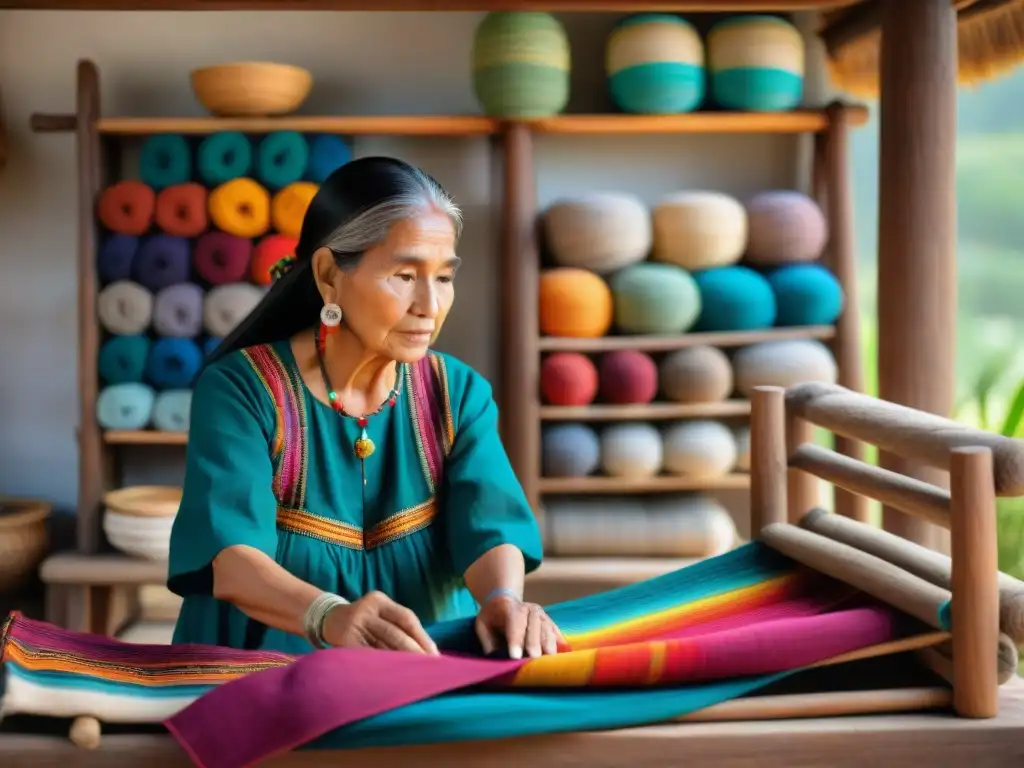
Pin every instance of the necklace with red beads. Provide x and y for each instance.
(363, 446)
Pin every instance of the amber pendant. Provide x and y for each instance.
(364, 446)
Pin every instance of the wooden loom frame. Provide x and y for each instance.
(785, 466)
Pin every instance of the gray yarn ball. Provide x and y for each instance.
(569, 450)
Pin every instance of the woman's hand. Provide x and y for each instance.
(522, 626)
(377, 621)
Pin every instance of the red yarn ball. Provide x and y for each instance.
(628, 377)
(568, 378)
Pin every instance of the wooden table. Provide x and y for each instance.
(888, 741)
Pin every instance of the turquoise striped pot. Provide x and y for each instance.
(521, 65)
(756, 64)
(655, 65)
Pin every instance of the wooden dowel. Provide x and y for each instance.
(767, 458)
(905, 432)
(921, 561)
(53, 123)
(939, 659)
(975, 605)
(880, 579)
(905, 493)
(801, 488)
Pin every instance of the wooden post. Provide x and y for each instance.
(801, 487)
(94, 459)
(767, 458)
(917, 224)
(520, 365)
(842, 259)
(975, 583)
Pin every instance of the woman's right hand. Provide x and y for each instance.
(377, 621)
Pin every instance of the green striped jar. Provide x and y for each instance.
(521, 65)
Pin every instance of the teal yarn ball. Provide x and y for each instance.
(521, 65)
(806, 294)
(756, 63)
(655, 298)
(734, 298)
(655, 65)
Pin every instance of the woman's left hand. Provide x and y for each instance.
(523, 627)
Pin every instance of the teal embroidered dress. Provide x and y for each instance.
(271, 467)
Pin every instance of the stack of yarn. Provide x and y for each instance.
(185, 254)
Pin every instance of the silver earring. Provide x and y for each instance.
(330, 315)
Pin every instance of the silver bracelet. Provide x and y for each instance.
(502, 592)
(316, 613)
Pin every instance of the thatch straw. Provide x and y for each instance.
(990, 42)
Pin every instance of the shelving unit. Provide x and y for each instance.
(524, 346)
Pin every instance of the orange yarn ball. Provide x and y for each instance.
(575, 303)
(289, 206)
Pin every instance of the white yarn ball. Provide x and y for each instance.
(783, 364)
(742, 436)
(699, 230)
(631, 450)
(699, 449)
(602, 231)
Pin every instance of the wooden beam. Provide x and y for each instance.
(917, 225)
(554, 6)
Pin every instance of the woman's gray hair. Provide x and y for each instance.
(370, 227)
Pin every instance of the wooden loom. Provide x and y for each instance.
(977, 659)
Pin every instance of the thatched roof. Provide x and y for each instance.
(990, 42)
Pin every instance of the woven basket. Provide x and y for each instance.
(24, 540)
(138, 519)
(251, 88)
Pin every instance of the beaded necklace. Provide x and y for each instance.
(363, 447)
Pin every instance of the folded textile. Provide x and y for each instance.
(115, 258)
(224, 156)
(327, 153)
(127, 207)
(123, 359)
(124, 308)
(181, 210)
(222, 258)
(173, 363)
(268, 252)
(171, 410)
(178, 311)
(125, 406)
(240, 207)
(282, 158)
(161, 261)
(289, 206)
(165, 160)
(227, 305)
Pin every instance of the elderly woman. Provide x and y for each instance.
(344, 485)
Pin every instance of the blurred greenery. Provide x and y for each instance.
(990, 256)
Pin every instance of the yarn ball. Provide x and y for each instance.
(181, 210)
(783, 364)
(734, 299)
(281, 158)
(806, 294)
(227, 305)
(126, 208)
(115, 258)
(696, 375)
(785, 226)
(569, 450)
(655, 65)
(289, 206)
(568, 378)
(631, 450)
(162, 261)
(124, 308)
(240, 207)
(756, 64)
(575, 303)
(602, 231)
(520, 64)
(123, 359)
(327, 153)
(171, 410)
(173, 363)
(165, 160)
(742, 437)
(125, 406)
(268, 252)
(698, 230)
(223, 156)
(178, 311)
(627, 377)
(655, 299)
(699, 448)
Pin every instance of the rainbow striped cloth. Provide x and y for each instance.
(644, 653)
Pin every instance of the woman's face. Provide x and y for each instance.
(397, 297)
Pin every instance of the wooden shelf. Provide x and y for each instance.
(144, 437)
(797, 121)
(651, 412)
(684, 341)
(659, 484)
